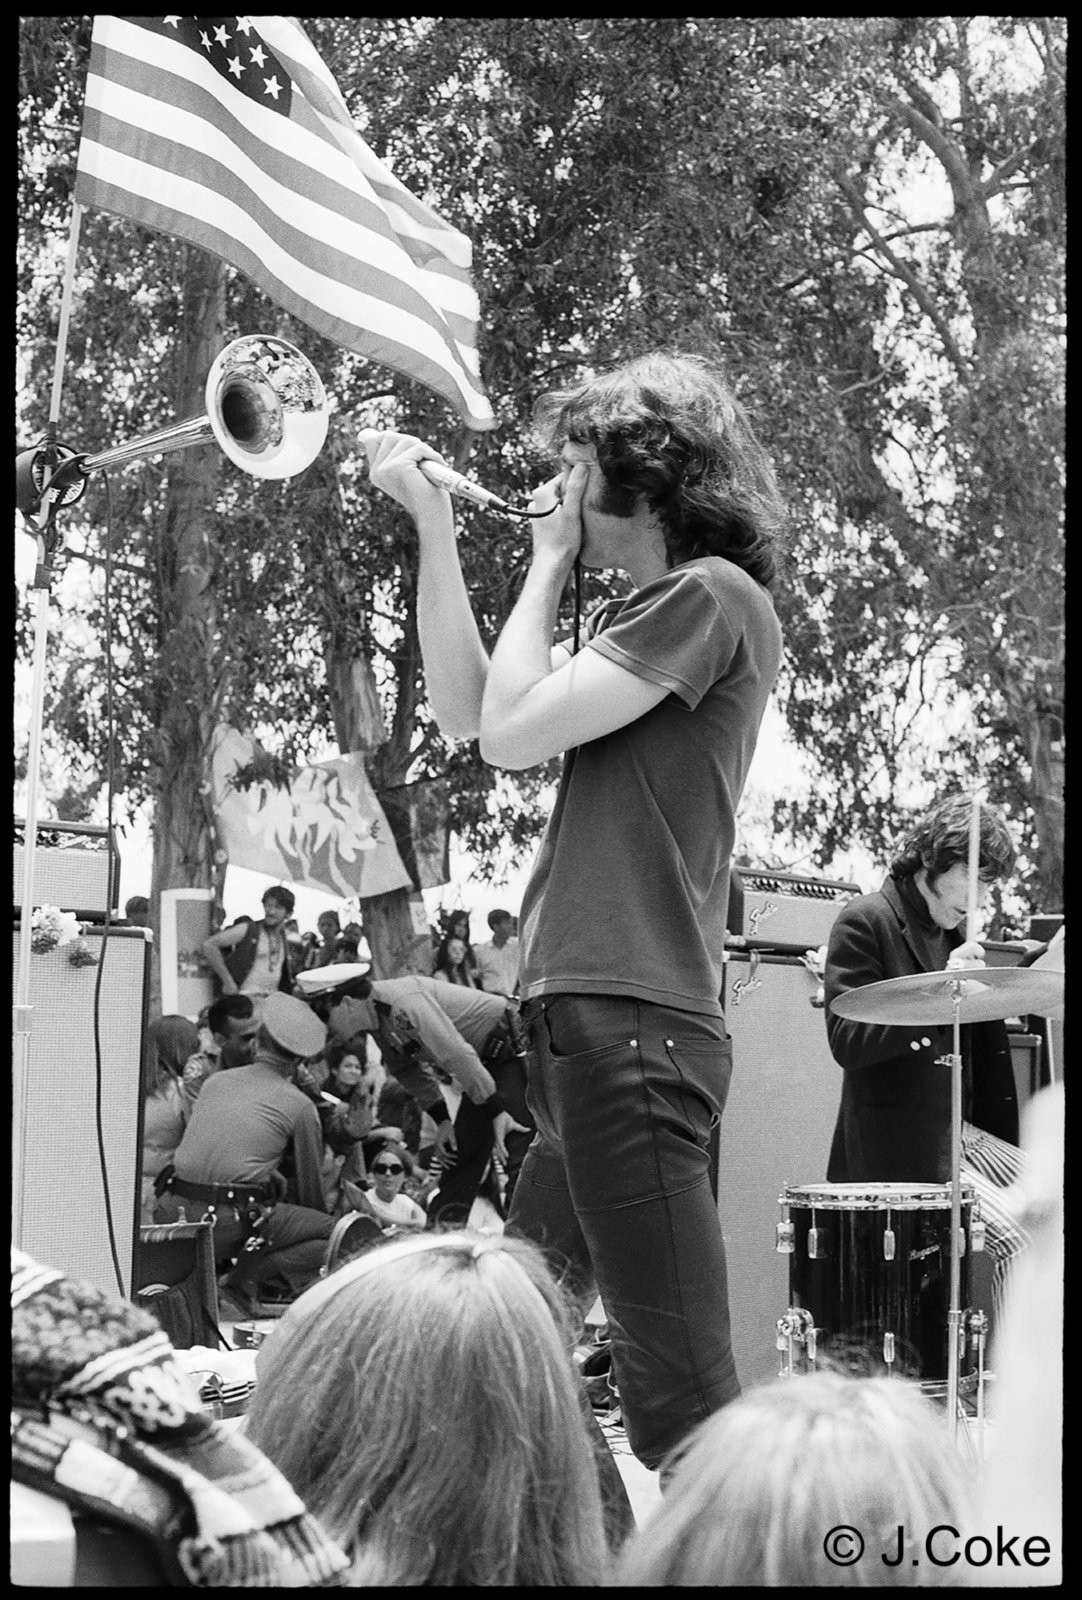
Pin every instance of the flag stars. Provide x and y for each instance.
(171, 22)
(244, 25)
(272, 87)
(236, 67)
(204, 39)
(259, 56)
(222, 36)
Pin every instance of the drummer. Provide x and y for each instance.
(894, 1120)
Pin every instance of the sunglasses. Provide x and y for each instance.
(393, 1169)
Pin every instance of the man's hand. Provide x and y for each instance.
(970, 954)
(502, 1125)
(560, 534)
(392, 467)
(446, 1144)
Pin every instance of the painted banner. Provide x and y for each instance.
(323, 829)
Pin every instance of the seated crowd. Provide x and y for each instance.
(363, 1118)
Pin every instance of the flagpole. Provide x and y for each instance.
(47, 540)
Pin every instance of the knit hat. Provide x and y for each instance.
(293, 1025)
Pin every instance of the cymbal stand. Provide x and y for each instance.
(954, 1313)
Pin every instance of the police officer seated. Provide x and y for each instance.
(244, 1125)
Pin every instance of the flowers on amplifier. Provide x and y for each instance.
(52, 928)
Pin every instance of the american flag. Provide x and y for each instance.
(231, 133)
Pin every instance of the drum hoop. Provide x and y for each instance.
(874, 1197)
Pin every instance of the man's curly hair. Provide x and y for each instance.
(669, 428)
(940, 840)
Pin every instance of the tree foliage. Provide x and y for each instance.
(863, 217)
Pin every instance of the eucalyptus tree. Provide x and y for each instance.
(746, 186)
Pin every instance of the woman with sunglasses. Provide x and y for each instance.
(388, 1172)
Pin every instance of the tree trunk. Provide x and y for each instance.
(183, 829)
(393, 935)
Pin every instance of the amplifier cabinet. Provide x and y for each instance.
(64, 1188)
(782, 910)
(776, 1130)
(76, 868)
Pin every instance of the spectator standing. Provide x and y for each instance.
(452, 964)
(252, 957)
(497, 961)
(137, 911)
(325, 952)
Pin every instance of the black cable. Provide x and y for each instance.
(109, 748)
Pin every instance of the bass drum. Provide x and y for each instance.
(869, 1276)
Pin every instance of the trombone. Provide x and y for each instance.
(265, 405)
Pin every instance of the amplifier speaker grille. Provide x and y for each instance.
(75, 868)
(58, 1198)
(776, 1130)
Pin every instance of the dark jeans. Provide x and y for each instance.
(459, 1184)
(619, 1187)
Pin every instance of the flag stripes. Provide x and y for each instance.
(295, 201)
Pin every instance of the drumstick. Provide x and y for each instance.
(974, 864)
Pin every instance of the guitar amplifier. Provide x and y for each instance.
(783, 910)
(76, 868)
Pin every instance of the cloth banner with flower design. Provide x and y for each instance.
(322, 828)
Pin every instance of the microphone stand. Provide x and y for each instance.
(48, 539)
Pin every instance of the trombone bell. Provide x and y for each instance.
(266, 407)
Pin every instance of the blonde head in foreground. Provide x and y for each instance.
(422, 1401)
(763, 1483)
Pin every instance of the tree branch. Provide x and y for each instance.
(906, 274)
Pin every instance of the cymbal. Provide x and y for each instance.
(1053, 960)
(988, 994)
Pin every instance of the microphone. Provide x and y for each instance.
(457, 483)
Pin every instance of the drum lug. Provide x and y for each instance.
(785, 1245)
(977, 1232)
(814, 1253)
(888, 1349)
(889, 1244)
(794, 1328)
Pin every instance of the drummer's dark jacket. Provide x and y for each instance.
(894, 1121)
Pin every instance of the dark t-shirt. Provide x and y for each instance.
(630, 889)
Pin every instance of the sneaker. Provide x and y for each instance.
(351, 1236)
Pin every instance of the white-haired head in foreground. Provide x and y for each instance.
(768, 1489)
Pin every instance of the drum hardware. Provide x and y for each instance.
(796, 1327)
(868, 1274)
(962, 994)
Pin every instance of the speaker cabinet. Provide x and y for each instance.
(776, 1130)
(76, 867)
(60, 1176)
